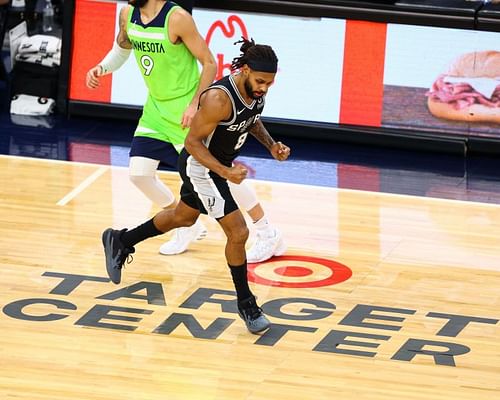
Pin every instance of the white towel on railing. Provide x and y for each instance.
(48, 60)
(43, 44)
(31, 105)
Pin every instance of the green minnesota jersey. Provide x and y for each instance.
(169, 70)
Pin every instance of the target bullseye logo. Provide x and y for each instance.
(298, 272)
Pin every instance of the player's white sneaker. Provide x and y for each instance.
(266, 247)
(182, 238)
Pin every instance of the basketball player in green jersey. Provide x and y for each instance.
(167, 47)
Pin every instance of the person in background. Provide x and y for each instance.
(229, 110)
(167, 47)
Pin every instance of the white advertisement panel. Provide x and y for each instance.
(416, 55)
(310, 53)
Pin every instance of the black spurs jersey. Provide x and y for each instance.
(229, 136)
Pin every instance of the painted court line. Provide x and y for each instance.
(298, 185)
(82, 186)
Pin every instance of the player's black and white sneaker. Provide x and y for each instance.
(116, 253)
(253, 316)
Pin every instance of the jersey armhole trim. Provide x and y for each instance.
(233, 114)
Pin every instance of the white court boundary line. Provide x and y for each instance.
(321, 188)
(82, 186)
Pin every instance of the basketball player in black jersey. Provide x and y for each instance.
(229, 110)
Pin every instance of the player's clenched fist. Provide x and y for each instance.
(280, 151)
(93, 75)
(236, 173)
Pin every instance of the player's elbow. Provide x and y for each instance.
(189, 144)
(208, 64)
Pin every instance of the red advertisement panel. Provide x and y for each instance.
(363, 72)
(93, 35)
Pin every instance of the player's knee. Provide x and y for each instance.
(142, 181)
(239, 234)
(154, 189)
(184, 221)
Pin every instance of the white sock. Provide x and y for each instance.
(264, 228)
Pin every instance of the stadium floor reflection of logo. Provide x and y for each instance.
(292, 271)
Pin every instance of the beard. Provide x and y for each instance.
(250, 92)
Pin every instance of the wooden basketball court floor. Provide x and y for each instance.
(379, 296)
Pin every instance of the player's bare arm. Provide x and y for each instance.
(259, 132)
(215, 106)
(182, 27)
(116, 57)
(277, 149)
(122, 39)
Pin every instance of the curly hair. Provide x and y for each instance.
(260, 55)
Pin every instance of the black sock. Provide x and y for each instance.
(240, 280)
(140, 233)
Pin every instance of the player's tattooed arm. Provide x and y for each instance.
(278, 150)
(122, 38)
(259, 132)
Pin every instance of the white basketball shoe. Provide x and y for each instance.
(183, 237)
(266, 246)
